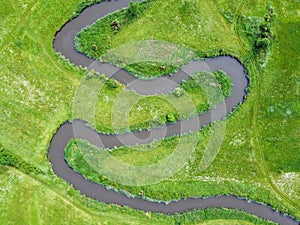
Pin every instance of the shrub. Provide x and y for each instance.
(178, 92)
(133, 9)
(265, 36)
(95, 47)
(262, 43)
(113, 83)
(115, 26)
(171, 118)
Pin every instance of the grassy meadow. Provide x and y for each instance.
(29, 200)
(258, 158)
(143, 112)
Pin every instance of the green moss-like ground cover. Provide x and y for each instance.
(259, 155)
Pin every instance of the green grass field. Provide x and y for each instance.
(25, 199)
(152, 111)
(259, 157)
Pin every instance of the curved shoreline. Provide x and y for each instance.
(64, 43)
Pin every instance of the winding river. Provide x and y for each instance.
(64, 43)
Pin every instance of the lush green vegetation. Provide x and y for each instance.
(82, 5)
(259, 33)
(194, 96)
(95, 40)
(9, 159)
(255, 19)
(118, 110)
(189, 181)
(258, 159)
(150, 69)
(26, 199)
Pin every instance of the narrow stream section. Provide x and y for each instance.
(64, 43)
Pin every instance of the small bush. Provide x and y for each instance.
(115, 26)
(133, 9)
(262, 43)
(171, 118)
(178, 92)
(113, 83)
(95, 47)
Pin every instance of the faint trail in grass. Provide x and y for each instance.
(255, 141)
(14, 5)
(50, 53)
(59, 192)
(222, 21)
(21, 21)
(33, 211)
